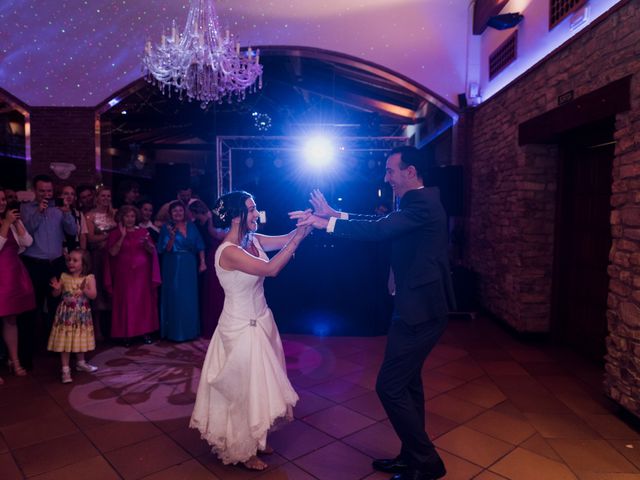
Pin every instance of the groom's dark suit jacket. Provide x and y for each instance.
(419, 253)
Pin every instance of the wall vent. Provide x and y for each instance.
(560, 9)
(502, 56)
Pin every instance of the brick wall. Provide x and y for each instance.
(61, 134)
(511, 222)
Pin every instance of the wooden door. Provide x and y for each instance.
(583, 238)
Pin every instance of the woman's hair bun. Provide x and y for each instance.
(228, 207)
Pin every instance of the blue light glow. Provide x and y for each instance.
(319, 152)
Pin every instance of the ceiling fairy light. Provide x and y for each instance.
(201, 62)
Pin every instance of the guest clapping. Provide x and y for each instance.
(182, 251)
(132, 276)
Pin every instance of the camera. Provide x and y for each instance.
(13, 206)
(59, 202)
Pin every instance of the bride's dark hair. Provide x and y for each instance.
(229, 206)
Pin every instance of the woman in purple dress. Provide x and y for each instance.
(16, 290)
(132, 276)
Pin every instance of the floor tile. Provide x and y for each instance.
(338, 421)
(560, 426)
(376, 441)
(440, 382)
(453, 408)
(297, 439)
(36, 407)
(8, 467)
(458, 468)
(487, 475)
(473, 446)
(338, 390)
(191, 440)
(96, 468)
(36, 430)
(607, 476)
(502, 426)
(367, 404)
(591, 455)
(610, 426)
(537, 444)
(189, 470)
(464, 368)
(525, 465)
(114, 435)
(171, 418)
(353, 464)
(502, 367)
(16, 389)
(310, 403)
(53, 454)
(630, 450)
(482, 392)
(287, 471)
(437, 425)
(146, 457)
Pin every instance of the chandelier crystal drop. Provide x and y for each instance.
(201, 62)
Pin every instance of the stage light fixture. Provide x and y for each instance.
(319, 152)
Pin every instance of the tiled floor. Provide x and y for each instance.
(497, 408)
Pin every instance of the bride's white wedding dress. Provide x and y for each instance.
(244, 387)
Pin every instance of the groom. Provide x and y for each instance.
(423, 296)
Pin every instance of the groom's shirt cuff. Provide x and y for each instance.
(332, 221)
(331, 225)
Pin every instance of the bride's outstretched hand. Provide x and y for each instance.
(303, 231)
(321, 207)
(305, 219)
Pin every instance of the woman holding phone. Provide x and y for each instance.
(16, 290)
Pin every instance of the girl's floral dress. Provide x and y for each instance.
(72, 329)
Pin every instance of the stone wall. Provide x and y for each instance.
(511, 221)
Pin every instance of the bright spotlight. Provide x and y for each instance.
(319, 152)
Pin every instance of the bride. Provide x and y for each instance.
(244, 389)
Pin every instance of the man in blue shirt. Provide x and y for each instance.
(44, 259)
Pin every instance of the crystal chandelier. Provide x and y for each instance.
(200, 62)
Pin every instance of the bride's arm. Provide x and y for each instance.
(269, 243)
(235, 258)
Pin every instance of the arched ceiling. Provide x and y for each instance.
(78, 52)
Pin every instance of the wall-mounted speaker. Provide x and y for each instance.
(462, 100)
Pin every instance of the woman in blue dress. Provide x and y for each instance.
(182, 250)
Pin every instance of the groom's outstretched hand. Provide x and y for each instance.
(321, 207)
(304, 219)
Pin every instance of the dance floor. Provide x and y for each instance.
(496, 408)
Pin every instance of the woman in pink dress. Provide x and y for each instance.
(132, 276)
(16, 290)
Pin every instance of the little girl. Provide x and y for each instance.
(72, 329)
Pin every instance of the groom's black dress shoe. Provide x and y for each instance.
(390, 465)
